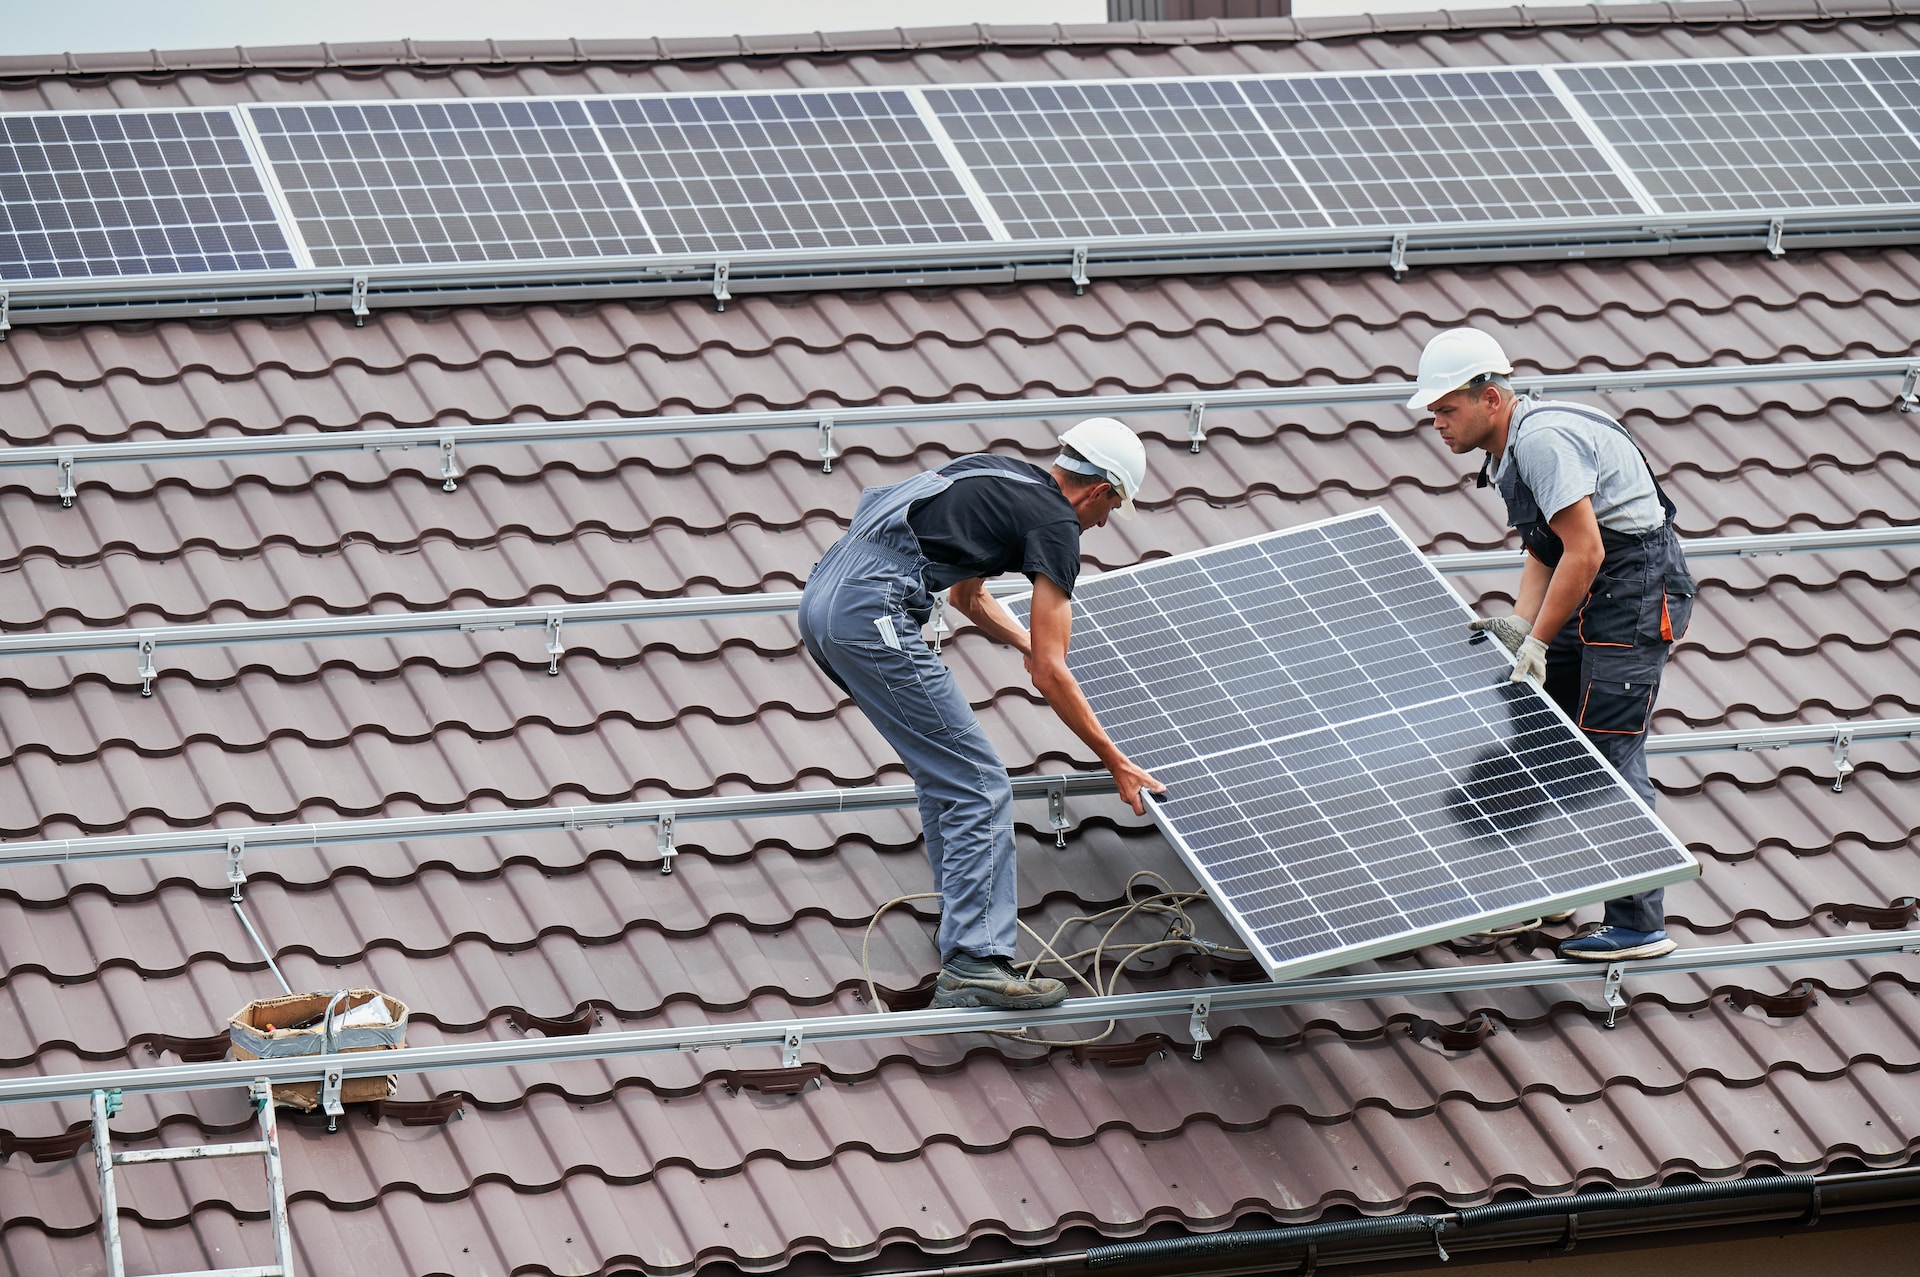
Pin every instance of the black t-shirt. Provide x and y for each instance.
(988, 525)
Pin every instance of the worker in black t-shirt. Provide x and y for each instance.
(861, 616)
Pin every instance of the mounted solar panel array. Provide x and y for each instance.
(1345, 771)
(631, 179)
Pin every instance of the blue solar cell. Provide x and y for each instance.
(1765, 134)
(132, 193)
(390, 184)
(1346, 773)
(768, 172)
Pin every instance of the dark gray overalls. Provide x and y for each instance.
(1604, 666)
(860, 617)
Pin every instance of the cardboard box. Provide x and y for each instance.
(317, 1033)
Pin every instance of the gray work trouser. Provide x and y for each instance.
(1609, 693)
(856, 629)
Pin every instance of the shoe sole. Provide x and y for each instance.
(963, 999)
(1659, 949)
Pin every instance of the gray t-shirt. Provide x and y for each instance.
(1564, 456)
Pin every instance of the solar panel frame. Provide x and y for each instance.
(1441, 147)
(138, 193)
(1765, 134)
(766, 172)
(430, 183)
(1441, 752)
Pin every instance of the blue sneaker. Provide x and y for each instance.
(1615, 944)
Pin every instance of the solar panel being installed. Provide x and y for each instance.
(132, 193)
(787, 171)
(1764, 134)
(387, 184)
(1442, 147)
(1062, 161)
(1346, 773)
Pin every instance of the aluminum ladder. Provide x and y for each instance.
(107, 1103)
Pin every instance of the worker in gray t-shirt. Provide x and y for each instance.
(1604, 593)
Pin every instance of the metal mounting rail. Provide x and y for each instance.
(825, 422)
(235, 842)
(361, 290)
(145, 642)
(790, 1035)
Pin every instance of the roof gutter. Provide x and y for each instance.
(1532, 1221)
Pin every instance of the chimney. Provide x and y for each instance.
(1185, 10)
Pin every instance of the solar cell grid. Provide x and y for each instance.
(1754, 135)
(787, 171)
(1345, 771)
(1445, 147)
(132, 193)
(1071, 161)
(386, 184)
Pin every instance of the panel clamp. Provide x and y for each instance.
(1196, 425)
(1775, 230)
(556, 647)
(1197, 1024)
(1397, 258)
(360, 311)
(146, 672)
(1616, 998)
(825, 447)
(1057, 810)
(1079, 275)
(1910, 389)
(663, 841)
(1842, 764)
(236, 866)
(67, 490)
(722, 271)
(790, 1049)
(6, 313)
(449, 465)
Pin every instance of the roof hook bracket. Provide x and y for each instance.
(722, 271)
(6, 313)
(663, 841)
(332, 1082)
(1842, 764)
(360, 311)
(67, 490)
(1397, 259)
(826, 449)
(1197, 1024)
(236, 866)
(1080, 280)
(1776, 229)
(1057, 810)
(790, 1049)
(556, 646)
(146, 672)
(1615, 996)
(1196, 425)
(449, 465)
(1910, 389)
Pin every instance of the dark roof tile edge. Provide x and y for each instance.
(404, 53)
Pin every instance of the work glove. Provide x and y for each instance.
(1511, 630)
(1530, 662)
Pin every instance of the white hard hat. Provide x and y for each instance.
(1451, 360)
(1113, 452)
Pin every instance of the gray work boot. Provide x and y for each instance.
(967, 981)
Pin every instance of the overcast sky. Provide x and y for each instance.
(58, 26)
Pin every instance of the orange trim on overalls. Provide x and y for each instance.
(1666, 620)
(1614, 731)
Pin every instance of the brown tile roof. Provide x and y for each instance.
(917, 1149)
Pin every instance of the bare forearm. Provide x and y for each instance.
(1062, 692)
(1534, 576)
(971, 600)
(1566, 589)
